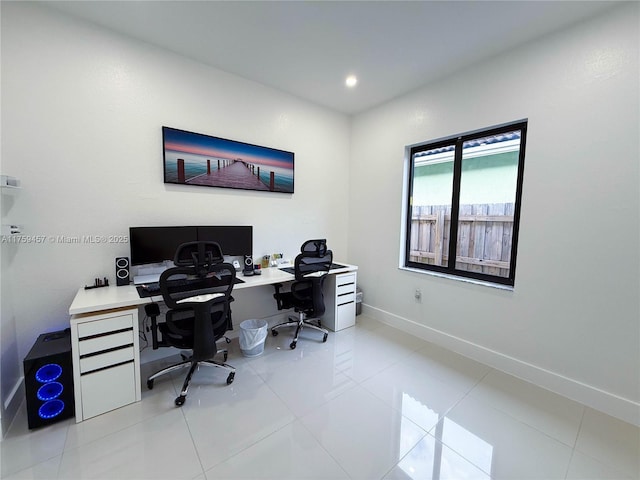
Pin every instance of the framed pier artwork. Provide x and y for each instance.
(203, 160)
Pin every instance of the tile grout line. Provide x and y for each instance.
(248, 364)
(193, 441)
(449, 410)
(523, 422)
(575, 443)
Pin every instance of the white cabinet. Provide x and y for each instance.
(340, 301)
(106, 361)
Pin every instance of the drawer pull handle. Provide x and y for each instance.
(108, 350)
(346, 293)
(112, 332)
(346, 303)
(107, 367)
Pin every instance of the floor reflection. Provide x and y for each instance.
(431, 459)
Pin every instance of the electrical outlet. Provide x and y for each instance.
(418, 295)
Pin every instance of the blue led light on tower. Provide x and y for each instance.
(49, 391)
(48, 373)
(48, 378)
(51, 409)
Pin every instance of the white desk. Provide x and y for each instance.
(107, 298)
(104, 335)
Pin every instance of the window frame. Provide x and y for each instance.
(457, 141)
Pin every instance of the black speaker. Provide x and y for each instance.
(48, 374)
(122, 271)
(248, 265)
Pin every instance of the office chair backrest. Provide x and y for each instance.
(201, 255)
(314, 247)
(314, 258)
(201, 291)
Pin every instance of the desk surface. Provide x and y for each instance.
(107, 298)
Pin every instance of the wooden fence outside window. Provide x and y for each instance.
(484, 237)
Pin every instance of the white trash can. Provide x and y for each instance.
(253, 333)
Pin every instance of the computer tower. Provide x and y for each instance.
(48, 373)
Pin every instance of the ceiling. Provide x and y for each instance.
(307, 48)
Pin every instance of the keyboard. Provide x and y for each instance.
(148, 290)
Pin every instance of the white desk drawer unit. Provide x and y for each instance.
(340, 301)
(106, 361)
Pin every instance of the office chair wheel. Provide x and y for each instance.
(225, 356)
(274, 333)
(324, 339)
(292, 345)
(179, 401)
(230, 378)
(150, 384)
(227, 339)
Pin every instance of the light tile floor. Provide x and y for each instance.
(370, 403)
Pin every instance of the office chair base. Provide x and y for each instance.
(179, 401)
(226, 366)
(300, 323)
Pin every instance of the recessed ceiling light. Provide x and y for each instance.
(351, 81)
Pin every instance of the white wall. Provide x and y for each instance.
(572, 322)
(82, 111)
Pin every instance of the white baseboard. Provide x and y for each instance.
(609, 403)
(16, 388)
(12, 404)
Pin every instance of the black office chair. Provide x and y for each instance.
(197, 293)
(306, 297)
(191, 253)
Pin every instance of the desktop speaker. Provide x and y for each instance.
(48, 373)
(248, 265)
(122, 271)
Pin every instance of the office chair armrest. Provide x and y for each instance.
(153, 310)
(277, 296)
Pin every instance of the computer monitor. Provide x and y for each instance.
(158, 244)
(235, 241)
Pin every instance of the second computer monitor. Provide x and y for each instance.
(236, 241)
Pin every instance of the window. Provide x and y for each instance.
(464, 196)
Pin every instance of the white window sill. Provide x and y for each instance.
(484, 283)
